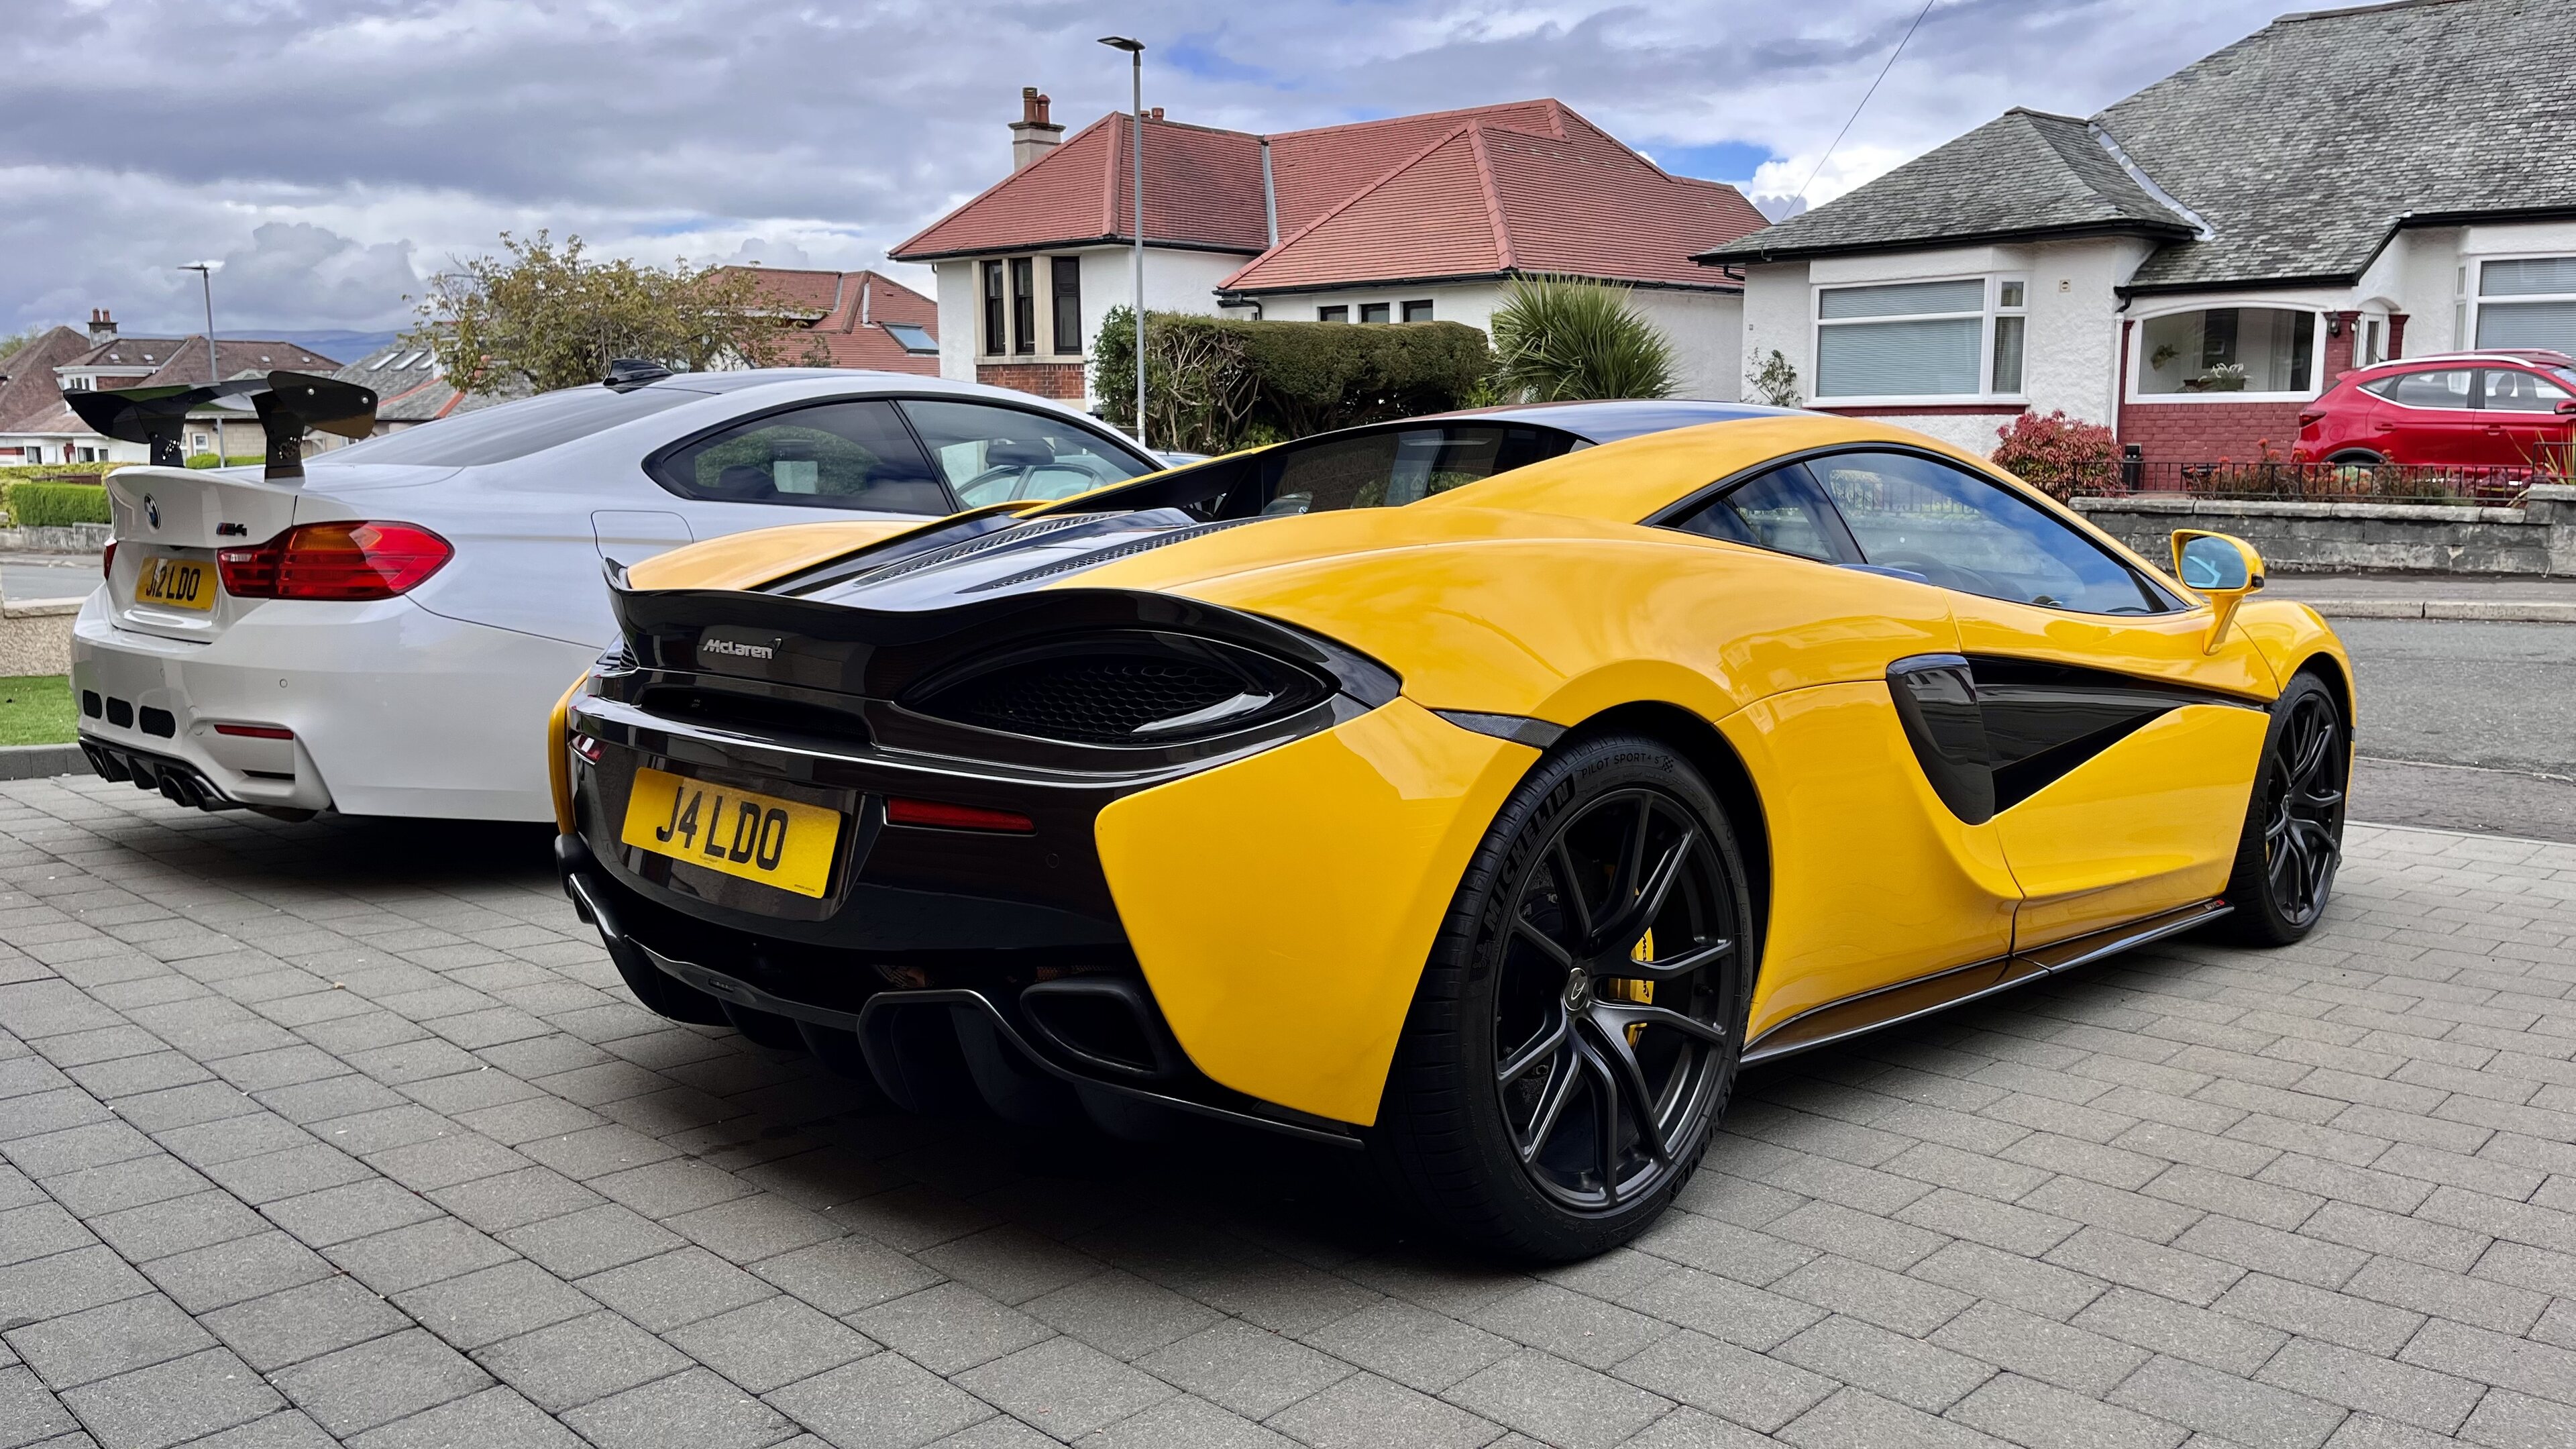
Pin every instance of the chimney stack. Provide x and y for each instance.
(1032, 135)
(102, 327)
(1155, 114)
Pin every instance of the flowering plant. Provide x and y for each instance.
(2056, 454)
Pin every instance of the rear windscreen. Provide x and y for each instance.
(509, 430)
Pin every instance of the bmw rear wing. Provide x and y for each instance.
(287, 404)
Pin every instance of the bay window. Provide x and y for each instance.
(1961, 338)
(2527, 302)
(2227, 350)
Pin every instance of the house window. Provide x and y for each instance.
(2527, 302)
(1373, 311)
(2227, 350)
(1418, 311)
(995, 341)
(1340, 313)
(1065, 277)
(1960, 338)
(1024, 305)
(78, 384)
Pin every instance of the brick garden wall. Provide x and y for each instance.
(1059, 380)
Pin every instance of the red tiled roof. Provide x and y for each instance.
(835, 302)
(1527, 186)
(1486, 197)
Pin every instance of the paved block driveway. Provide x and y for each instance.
(345, 1132)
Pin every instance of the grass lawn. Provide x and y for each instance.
(35, 709)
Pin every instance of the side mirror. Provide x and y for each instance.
(2221, 568)
(2567, 406)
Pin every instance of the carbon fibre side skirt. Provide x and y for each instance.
(1890, 1005)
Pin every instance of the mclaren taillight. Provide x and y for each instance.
(344, 561)
(943, 816)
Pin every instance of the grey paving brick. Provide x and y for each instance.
(690, 1410)
(494, 1303)
(2436, 1245)
(28, 1413)
(1721, 1247)
(1248, 1370)
(2316, 1313)
(1981, 1220)
(2370, 1382)
(2028, 1412)
(1688, 1428)
(95, 1343)
(2503, 1307)
(1558, 1402)
(2139, 1263)
(1748, 1317)
(669, 1188)
(2164, 1326)
(844, 1275)
(285, 1328)
(1854, 1419)
(1732, 1383)
(167, 1403)
(571, 1363)
(1120, 1314)
(39, 1230)
(1365, 1410)
(1832, 1227)
(1179, 1422)
(589, 1240)
(2485, 1357)
(423, 1252)
(1414, 1347)
(1064, 1387)
(287, 1172)
(514, 1199)
(131, 1183)
(881, 1400)
(1891, 1300)
(2008, 1278)
(379, 1381)
(2226, 1406)
(1573, 1326)
(950, 1327)
(681, 1286)
(496, 1418)
(771, 1344)
(2129, 1213)
(2071, 1358)
(49, 1287)
(1891, 1365)
(2509, 1420)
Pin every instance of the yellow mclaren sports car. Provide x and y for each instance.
(1484, 791)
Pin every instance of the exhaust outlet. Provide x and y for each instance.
(1107, 1023)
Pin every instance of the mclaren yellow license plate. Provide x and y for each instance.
(176, 583)
(757, 837)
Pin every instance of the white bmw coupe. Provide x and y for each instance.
(383, 629)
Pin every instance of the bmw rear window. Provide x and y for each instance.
(510, 430)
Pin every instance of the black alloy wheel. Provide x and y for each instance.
(1578, 1025)
(2293, 841)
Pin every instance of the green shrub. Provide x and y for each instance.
(1214, 384)
(1565, 339)
(231, 460)
(52, 505)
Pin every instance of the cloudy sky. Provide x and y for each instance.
(333, 152)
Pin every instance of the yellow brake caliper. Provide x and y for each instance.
(1624, 988)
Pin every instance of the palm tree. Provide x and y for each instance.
(1564, 338)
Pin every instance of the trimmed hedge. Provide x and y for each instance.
(53, 505)
(1214, 384)
(231, 460)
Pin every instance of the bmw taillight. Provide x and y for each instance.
(342, 561)
(107, 560)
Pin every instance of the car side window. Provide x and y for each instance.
(1781, 510)
(2444, 388)
(1972, 535)
(1397, 466)
(994, 454)
(2522, 392)
(852, 454)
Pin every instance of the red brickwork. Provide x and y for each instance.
(1059, 380)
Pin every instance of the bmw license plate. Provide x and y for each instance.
(176, 583)
(757, 837)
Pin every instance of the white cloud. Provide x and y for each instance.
(333, 151)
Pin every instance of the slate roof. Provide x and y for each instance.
(2025, 173)
(183, 359)
(1527, 185)
(829, 307)
(411, 388)
(2301, 147)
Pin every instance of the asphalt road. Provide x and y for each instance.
(32, 576)
(2466, 726)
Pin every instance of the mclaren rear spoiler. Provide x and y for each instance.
(288, 405)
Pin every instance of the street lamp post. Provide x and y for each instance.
(214, 370)
(1136, 72)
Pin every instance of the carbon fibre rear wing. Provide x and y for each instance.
(287, 404)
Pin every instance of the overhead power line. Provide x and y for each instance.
(1865, 95)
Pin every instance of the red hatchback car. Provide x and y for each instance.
(2502, 409)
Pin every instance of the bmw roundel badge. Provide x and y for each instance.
(151, 511)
